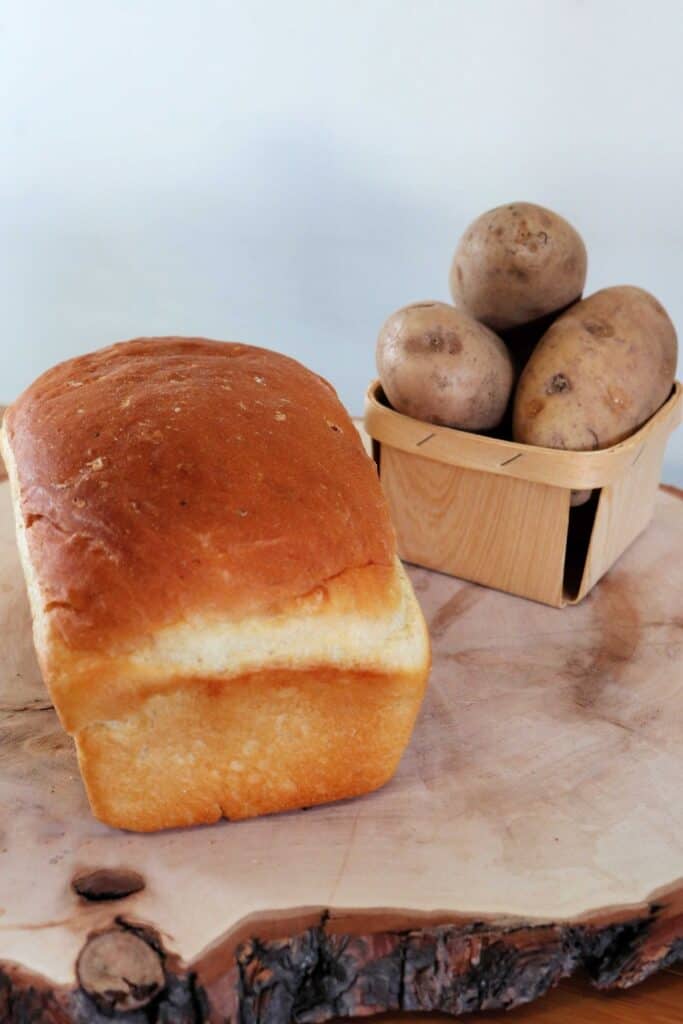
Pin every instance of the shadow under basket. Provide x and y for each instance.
(499, 513)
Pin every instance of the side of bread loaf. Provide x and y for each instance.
(219, 613)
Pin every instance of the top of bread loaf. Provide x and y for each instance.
(163, 475)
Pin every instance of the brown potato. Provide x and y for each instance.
(516, 264)
(598, 373)
(437, 364)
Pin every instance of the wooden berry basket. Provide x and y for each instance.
(499, 513)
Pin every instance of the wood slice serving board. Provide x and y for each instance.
(535, 827)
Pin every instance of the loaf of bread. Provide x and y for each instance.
(219, 613)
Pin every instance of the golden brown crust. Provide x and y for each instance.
(165, 475)
(219, 612)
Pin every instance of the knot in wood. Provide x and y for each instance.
(120, 971)
(107, 883)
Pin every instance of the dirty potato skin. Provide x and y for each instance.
(598, 373)
(439, 365)
(517, 263)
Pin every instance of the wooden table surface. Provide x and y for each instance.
(659, 1000)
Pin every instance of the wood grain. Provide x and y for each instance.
(511, 534)
(498, 514)
(624, 509)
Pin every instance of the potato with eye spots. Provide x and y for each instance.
(602, 369)
(437, 364)
(516, 264)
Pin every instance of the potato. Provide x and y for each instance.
(517, 263)
(598, 373)
(437, 364)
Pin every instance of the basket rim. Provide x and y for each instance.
(556, 467)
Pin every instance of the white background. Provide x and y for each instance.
(287, 173)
